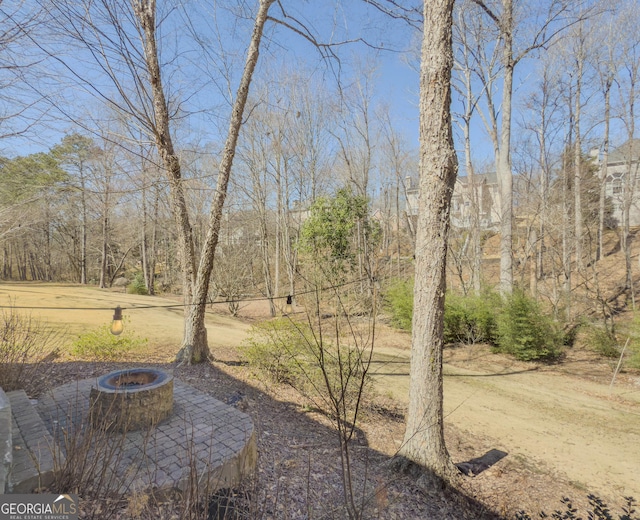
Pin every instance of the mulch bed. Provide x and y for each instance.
(299, 472)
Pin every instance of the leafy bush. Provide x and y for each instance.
(598, 510)
(399, 302)
(289, 352)
(603, 342)
(26, 346)
(471, 319)
(467, 319)
(101, 345)
(138, 285)
(525, 332)
(632, 354)
(279, 349)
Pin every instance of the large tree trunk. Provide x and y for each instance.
(424, 437)
(194, 347)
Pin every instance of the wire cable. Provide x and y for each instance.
(177, 305)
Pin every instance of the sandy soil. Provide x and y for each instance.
(161, 325)
(562, 421)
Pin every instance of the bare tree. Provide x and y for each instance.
(606, 65)
(465, 63)
(113, 37)
(195, 347)
(76, 153)
(629, 78)
(547, 24)
(19, 68)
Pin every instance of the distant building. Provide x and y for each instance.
(486, 190)
(623, 160)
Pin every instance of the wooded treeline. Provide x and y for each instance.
(551, 87)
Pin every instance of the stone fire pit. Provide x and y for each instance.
(130, 400)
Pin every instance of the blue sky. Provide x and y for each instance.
(197, 82)
(194, 79)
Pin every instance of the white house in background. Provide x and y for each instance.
(486, 190)
(622, 160)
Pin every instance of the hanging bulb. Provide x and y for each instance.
(288, 308)
(116, 325)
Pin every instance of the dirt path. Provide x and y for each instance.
(568, 426)
(560, 420)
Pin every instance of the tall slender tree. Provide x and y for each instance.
(547, 24)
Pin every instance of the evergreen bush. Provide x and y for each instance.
(399, 303)
(603, 342)
(467, 319)
(138, 285)
(471, 319)
(525, 332)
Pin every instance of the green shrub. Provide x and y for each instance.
(603, 342)
(279, 349)
(471, 319)
(101, 345)
(634, 359)
(467, 319)
(289, 352)
(399, 302)
(525, 332)
(138, 285)
(632, 355)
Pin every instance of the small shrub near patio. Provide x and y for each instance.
(290, 352)
(278, 349)
(101, 345)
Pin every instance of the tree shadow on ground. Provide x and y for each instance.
(299, 472)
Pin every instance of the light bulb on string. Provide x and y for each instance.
(116, 325)
(288, 308)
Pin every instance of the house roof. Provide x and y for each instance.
(629, 150)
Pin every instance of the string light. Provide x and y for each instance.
(288, 308)
(116, 325)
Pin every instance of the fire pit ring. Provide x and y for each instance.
(131, 399)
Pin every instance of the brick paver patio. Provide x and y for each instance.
(203, 441)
